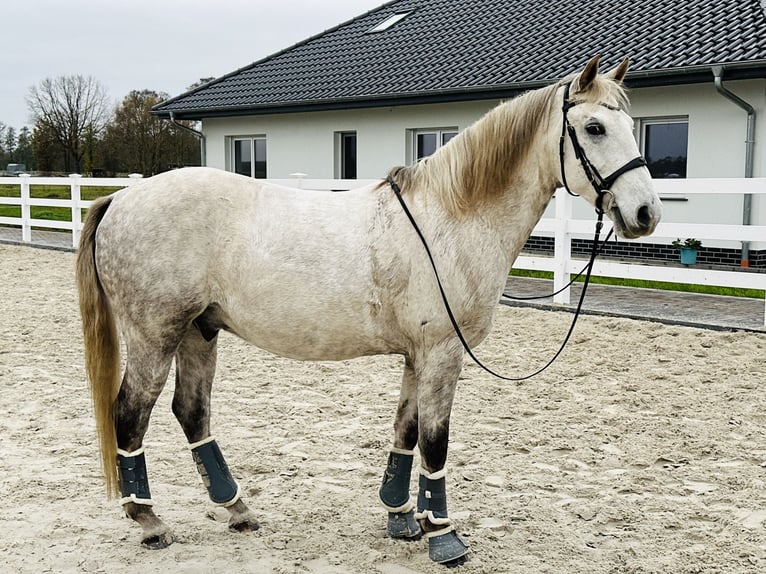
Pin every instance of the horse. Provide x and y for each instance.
(166, 264)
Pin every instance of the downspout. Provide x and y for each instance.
(199, 134)
(749, 153)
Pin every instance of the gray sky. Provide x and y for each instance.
(162, 45)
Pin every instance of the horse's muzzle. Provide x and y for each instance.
(643, 223)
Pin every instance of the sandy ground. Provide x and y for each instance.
(642, 450)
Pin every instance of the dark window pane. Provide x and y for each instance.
(426, 145)
(665, 149)
(260, 158)
(348, 156)
(447, 136)
(242, 161)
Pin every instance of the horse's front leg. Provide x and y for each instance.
(437, 378)
(395, 490)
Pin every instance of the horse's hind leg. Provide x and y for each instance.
(395, 491)
(195, 369)
(146, 372)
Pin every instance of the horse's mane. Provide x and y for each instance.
(481, 161)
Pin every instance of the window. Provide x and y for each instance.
(249, 156)
(426, 142)
(664, 144)
(345, 154)
(388, 22)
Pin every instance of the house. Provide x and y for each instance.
(392, 85)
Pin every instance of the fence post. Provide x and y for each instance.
(74, 185)
(134, 177)
(26, 216)
(299, 176)
(562, 246)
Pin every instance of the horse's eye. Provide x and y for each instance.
(595, 129)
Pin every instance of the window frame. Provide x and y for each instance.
(641, 128)
(440, 134)
(253, 140)
(341, 167)
(389, 22)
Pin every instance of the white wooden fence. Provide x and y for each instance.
(75, 204)
(562, 226)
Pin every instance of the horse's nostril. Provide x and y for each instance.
(644, 216)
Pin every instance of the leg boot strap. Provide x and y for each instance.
(444, 545)
(432, 498)
(134, 481)
(395, 490)
(221, 486)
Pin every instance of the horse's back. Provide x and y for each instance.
(291, 270)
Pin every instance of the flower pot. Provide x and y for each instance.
(688, 255)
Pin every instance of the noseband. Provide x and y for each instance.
(601, 185)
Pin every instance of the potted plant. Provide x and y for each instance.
(688, 248)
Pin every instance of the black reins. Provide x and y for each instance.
(602, 187)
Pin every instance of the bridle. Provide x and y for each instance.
(602, 186)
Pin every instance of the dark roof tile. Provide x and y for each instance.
(446, 48)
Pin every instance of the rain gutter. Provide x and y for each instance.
(749, 153)
(199, 134)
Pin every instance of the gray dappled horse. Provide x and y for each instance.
(173, 260)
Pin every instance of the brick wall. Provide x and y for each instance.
(650, 252)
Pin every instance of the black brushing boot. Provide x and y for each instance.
(395, 496)
(444, 545)
(221, 486)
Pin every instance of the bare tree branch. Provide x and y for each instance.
(70, 107)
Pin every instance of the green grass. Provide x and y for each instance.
(49, 192)
(641, 283)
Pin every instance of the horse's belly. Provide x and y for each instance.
(311, 341)
(311, 323)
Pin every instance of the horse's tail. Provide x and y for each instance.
(101, 341)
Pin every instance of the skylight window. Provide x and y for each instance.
(388, 22)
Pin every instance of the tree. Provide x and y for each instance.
(68, 109)
(199, 83)
(137, 141)
(9, 144)
(3, 152)
(16, 147)
(24, 152)
(48, 155)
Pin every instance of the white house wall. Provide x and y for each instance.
(304, 142)
(717, 134)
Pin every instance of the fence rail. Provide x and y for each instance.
(562, 226)
(75, 203)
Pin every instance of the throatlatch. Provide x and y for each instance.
(221, 486)
(395, 495)
(134, 481)
(444, 545)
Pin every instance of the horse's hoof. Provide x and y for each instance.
(402, 525)
(456, 563)
(241, 518)
(447, 549)
(248, 525)
(157, 541)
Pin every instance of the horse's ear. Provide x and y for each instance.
(618, 74)
(586, 77)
